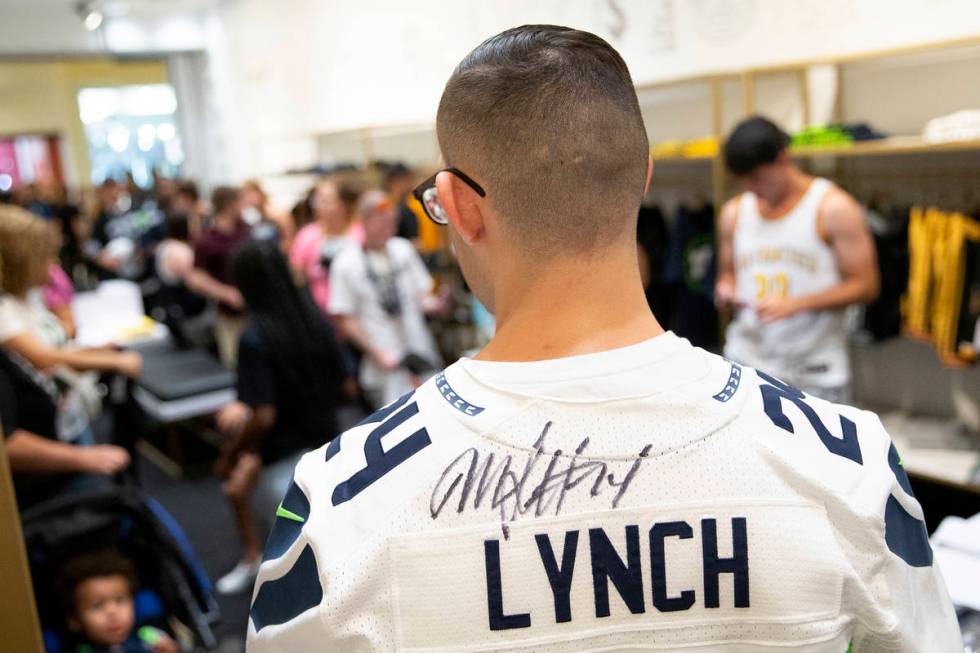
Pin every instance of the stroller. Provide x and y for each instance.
(172, 581)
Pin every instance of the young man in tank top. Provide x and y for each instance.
(794, 253)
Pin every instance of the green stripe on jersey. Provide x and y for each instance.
(286, 514)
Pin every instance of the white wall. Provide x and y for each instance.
(410, 48)
(54, 27)
(294, 68)
(284, 71)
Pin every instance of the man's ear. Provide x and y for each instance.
(646, 188)
(462, 207)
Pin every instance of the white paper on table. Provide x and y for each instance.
(956, 545)
(105, 314)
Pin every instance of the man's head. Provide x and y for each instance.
(398, 181)
(546, 120)
(253, 195)
(97, 589)
(379, 217)
(755, 154)
(333, 202)
(225, 201)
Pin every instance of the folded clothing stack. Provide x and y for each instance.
(959, 126)
(835, 134)
(819, 135)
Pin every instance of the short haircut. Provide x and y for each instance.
(397, 170)
(349, 190)
(96, 564)
(754, 142)
(27, 244)
(254, 185)
(223, 197)
(546, 119)
(374, 202)
(188, 189)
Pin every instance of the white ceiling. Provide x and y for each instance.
(32, 27)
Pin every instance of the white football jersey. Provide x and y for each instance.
(787, 257)
(649, 498)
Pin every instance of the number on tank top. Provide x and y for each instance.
(776, 285)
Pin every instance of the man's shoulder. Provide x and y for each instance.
(401, 247)
(834, 450)
(359, 448)
(349, 257)
(837, 204)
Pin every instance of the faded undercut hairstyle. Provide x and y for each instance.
(547, 120)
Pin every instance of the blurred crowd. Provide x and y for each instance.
(329, 303)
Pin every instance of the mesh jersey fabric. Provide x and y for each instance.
(647, 498)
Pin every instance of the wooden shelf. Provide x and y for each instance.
(882, 147)
(684, 159)
(885, 147)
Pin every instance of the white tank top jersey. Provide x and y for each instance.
(787, 257)
(649, 498)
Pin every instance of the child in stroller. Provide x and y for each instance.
(97, 589)
(174, 591)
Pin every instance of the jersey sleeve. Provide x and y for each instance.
(908, 607)
(285, 611)
(843, 459)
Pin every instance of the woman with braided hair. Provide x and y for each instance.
(290, 373)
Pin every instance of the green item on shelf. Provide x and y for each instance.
(818, 135)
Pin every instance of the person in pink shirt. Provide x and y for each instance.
(332, 229)
(58, 295)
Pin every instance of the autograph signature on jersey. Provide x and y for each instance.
(510, 487)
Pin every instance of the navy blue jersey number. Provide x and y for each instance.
(772, 402)
(379, 461)
(905, 535)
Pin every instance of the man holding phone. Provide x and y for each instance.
(794, 253)
(380, 294)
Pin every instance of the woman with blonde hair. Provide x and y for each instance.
(43, 422)
(28, 247)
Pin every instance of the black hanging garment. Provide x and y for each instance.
(691, 271)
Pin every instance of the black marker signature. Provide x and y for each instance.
(507, 487)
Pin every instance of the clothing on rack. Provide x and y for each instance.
(942, 304)
(689, 276)
(883, 317)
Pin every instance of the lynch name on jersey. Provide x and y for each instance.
(641, 569)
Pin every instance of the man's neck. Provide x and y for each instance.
(572, 308)
(796, 186)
